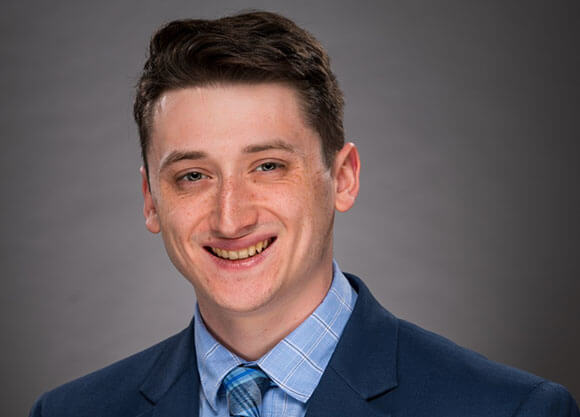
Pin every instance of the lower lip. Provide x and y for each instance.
(239, 264)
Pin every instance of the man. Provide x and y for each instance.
(244, 164)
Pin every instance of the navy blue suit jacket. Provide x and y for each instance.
(382, 366)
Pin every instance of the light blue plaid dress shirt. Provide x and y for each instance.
(296, 364)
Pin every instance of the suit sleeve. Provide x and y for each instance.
(548, 400)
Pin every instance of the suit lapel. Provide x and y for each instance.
(172, 386)
(334, 397)
(181, 400)
(364, 364)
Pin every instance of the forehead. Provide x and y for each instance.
(230, 115)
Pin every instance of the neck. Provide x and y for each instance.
(250, 335)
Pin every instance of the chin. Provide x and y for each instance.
(244, 296)
(248, 304)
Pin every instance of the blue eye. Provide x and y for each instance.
(194, 176)
(268, 166)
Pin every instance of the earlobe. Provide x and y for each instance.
(149, 209)
(347, 171)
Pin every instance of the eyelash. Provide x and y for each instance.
(260, 168)
(185, 177)
(276, 165)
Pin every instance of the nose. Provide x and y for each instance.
(235, 214)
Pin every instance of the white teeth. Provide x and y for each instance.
(242, 253)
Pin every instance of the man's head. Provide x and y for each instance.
(247, 48)
(237, 180)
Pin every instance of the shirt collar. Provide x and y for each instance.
(297, 362)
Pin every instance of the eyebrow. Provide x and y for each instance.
(274, 145)
(177, 156)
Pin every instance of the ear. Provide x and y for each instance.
(149, 209)
(346, 170)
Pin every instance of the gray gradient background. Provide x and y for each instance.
(465, 114)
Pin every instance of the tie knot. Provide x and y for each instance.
(244, 388)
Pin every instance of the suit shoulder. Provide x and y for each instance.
(437, 366)
(436, 353)
(548, 399)
(108, 391)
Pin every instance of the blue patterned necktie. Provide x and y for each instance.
(244, 388)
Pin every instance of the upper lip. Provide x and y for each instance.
(238, 243)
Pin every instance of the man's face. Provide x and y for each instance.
(241, 194)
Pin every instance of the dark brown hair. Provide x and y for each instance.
(245, 48)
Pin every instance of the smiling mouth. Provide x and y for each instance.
(244, 253)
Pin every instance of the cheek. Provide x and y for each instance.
(308, 205)
(182, 214)
(319, 197)
(321, 206)
(290, 205)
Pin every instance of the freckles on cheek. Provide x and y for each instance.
(178, 215)
(284, 201)
(251, 195)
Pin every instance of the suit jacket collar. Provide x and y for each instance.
(172, 385)
(366, 356)
(363, 366)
